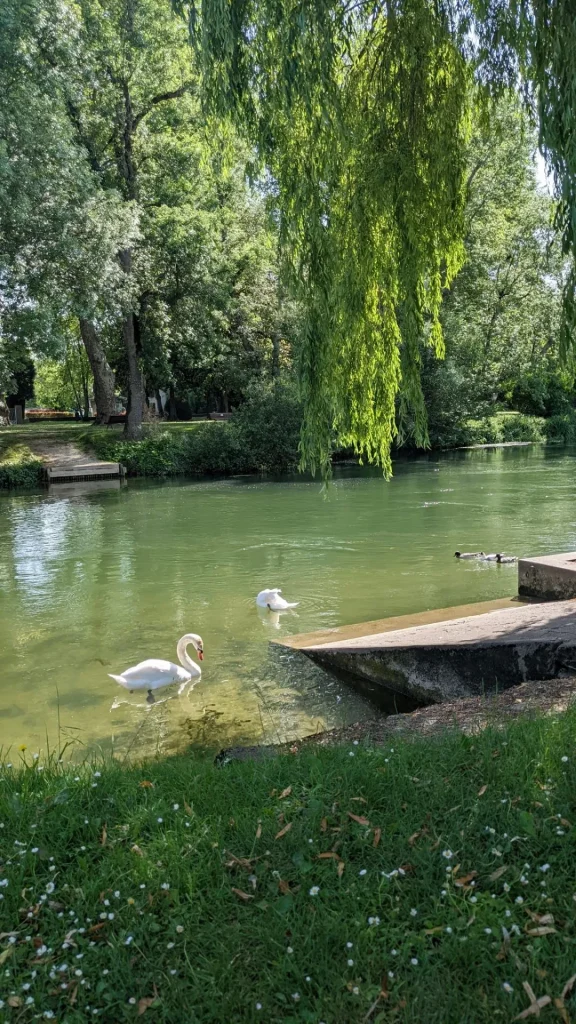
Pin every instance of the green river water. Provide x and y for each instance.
(93, 581)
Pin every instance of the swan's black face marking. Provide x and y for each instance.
(150, 699)
(269, 607)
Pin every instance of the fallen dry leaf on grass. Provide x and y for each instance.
(245, 896)
(239, 862)
(540, 931)
(341, 867)
(14, 1001)
(568, 986)
(5, 954)
(323, 825)
(97, 927)
(145, 784)
(327, 856)
(463, 881)
(187, 808)
(482, 790)
(417, 835)
(498, 873)
(377, 836)
(145, 1004)
(559, 1004)
(535, 1004)
(284, 887)
(540, 918)
(283, 831)
(104, 835)
(358, 800)
(358, 818)
(259, 830)
(136, 849)
(285, 792)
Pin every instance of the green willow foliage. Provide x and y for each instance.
(361, 111)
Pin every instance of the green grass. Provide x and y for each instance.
(19, 467)
(204, 890)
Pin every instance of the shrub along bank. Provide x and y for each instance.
(262, 437)
(429, 880)
(19, 467)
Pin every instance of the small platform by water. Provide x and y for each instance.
(453, 653)
(61, 473)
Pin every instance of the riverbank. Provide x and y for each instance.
(258, 440)
(341, 885)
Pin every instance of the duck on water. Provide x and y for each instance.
(482, 557)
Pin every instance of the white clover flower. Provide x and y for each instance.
(314, 890)
(507, 987)
(447, 854)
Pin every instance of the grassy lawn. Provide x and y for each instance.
(424, 882)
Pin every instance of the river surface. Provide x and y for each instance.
(93, 581)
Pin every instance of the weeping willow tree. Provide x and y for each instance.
(360, 109)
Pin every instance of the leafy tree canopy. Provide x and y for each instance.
(362, 111)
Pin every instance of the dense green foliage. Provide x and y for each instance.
(501, 318)
(363, 113)
(262, 437)
(19, 467)
(389, 212)
(311, 887)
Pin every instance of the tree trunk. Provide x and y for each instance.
(104, 379)
(159, 405)
(4, 412)
(172, 414)
(275, 355)
(135, 407)
(131, 339)
(86, 400)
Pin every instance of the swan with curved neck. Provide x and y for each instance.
(155, 673)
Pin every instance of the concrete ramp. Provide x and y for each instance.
(460, 657)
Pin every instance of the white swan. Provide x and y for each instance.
(155, 673)
(271, 599)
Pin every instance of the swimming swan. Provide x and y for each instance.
(271, 599)
(155, 673)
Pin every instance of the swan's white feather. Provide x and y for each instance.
(271, 599)
(153, 674)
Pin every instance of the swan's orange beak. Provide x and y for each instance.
(200, 655)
